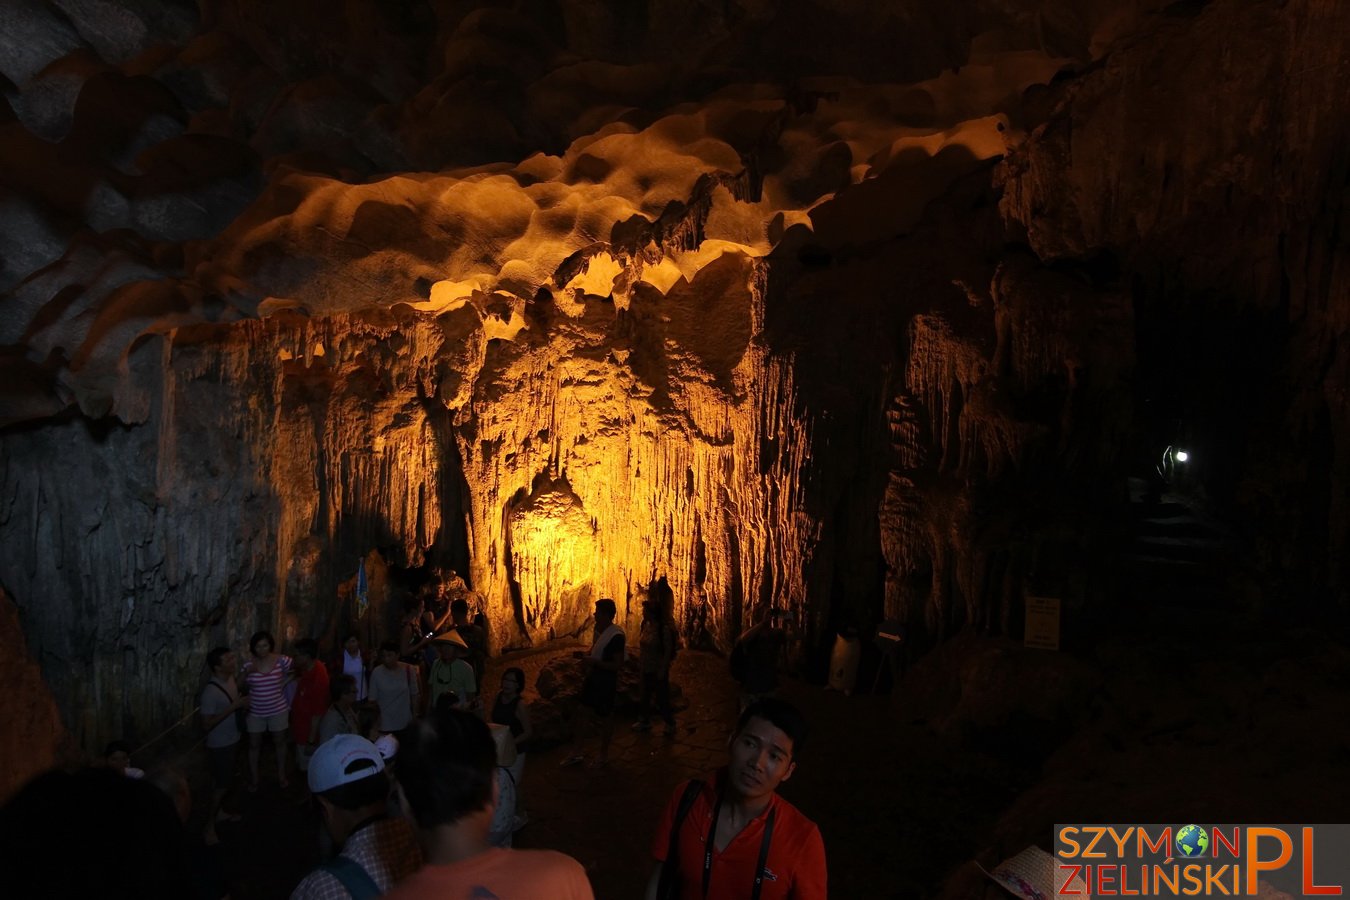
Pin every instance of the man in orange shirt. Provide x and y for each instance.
(730, 836)
(448, 777)
(310, 702)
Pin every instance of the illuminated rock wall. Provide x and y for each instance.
(664, 439)
(577, 481)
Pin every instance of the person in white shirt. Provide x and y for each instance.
(394, 689)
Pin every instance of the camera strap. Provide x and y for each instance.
(763, 849)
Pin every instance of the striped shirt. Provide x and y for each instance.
(266, 693)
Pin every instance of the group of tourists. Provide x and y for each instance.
(416, 777)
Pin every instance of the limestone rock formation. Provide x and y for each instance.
(867, 325)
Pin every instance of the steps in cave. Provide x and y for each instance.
(1178, 558)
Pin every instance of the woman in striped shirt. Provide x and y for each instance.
(266, 676)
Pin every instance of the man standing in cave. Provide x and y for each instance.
(756, 658)
(730, 835)
(448, 776)
(600, 689)
(451, 673)
(475, 638)
(348, 778)
(454, 588)
(657, 644)
(394, 689)
(310, 701)
(220, 702)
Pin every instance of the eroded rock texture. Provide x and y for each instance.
(871, 324)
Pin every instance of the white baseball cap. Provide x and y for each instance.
(336, 762)
(387, 745)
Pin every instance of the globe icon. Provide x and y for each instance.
(1192, 841)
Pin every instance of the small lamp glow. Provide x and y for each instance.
(1182, 456)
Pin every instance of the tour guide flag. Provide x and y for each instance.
(362, 589)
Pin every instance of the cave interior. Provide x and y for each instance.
(878, 313)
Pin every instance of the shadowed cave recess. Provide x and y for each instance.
(866, 310)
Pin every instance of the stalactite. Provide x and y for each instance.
(639, 478)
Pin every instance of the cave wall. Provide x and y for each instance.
(1225, 205)
(595, 292)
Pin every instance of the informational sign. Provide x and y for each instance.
(1042, 629)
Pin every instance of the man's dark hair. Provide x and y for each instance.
(115, 746)
(781, 715)
(340, 685)
(660, 591)
(447, 773)
(144, 855)
(357, 794)
(411, 602)
(215, 656)
(447, 701)
(519, 675)
(259, 636)
(608, 606)
(391, 645)
(459, 607)
(308, 646)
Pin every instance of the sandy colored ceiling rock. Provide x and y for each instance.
(317, 241)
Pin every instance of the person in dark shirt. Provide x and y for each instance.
(600, 689)
(474, 636)
(757, 658)
(510, 709)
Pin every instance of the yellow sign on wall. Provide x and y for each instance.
(1042, 628)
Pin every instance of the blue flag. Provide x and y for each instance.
(362, 589)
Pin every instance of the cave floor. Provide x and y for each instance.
(1209, 722)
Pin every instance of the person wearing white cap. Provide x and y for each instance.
(448, 774)
(346, 776)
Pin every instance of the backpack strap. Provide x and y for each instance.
(355, 879)
(231, 700)
(666, 888)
